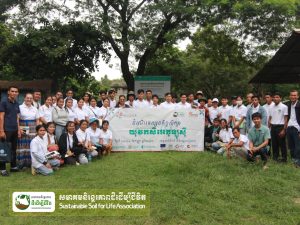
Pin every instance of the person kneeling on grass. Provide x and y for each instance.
(259, 136)
(84, 139)
(69, 147)
(38, 149)
(239, 146)
(106, 138)
(225, 136)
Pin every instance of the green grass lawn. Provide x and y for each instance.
(186, 188)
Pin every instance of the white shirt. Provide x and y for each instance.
(149, 103)
(293, 119)
(226, 135)
(213, 113)
(38, 151)
(154, 106)
(93, 112)
(140, 104)
(167, 105)
(267, 108)
(94, 135)
(69, 141)
(103, 112)
(85, 104)
(71, 114)
(239, 111)
(106, 136)
(225, 112)
(277, 113)
(28, 113)
(37, 105)
(112, 103)
(51, 137)
(46, 113)
(81, 114)
(129, 103)
(244, 139)
(186, 105)
(83, 136)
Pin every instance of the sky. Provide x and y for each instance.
(113, 70)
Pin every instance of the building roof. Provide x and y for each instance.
(43, 85)
(284, 67)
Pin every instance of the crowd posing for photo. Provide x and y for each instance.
(69, 131)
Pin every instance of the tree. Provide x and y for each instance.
(214, 63)
(56, 51)
(140, 28)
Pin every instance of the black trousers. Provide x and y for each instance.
(11, 137)
(278, 142)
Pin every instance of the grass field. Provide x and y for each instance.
(186, 188)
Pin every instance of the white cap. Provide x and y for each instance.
(215, 100)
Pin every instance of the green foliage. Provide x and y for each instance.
(57, 52)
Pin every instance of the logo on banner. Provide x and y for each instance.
(33, 201)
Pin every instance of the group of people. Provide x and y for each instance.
(73, 131)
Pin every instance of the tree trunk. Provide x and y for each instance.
(127, 75)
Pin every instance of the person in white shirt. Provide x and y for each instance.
(269, 104)
(80, 112)
(194, 103)
(183, 104)
(37, 94)
(239, 146)
(149, 98)
(70, 95)
(106, 138)
(140, 103)
(94, 132)
(293, 129)
(239, 114)
(84, 138)
(38, 150)
(225, 135)
(278, 120)
(29, 118)
(168, 104)
(86, 99)
(130, 99)
(214, 111)
(155, 102)
(111, 97)
(224, 110)
(121, 103)
(93, 110)
(45, 111)
(70, 110)
(104, 110)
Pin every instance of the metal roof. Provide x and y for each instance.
(284, 67)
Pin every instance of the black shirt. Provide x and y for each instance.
(11, 110)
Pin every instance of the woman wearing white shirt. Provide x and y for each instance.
(38, 150)
(45, 111)
(29, 118)
(94, 133)
(70, 109)
(81, 113)
(86, 100)
(93, 110)
(106, 138)
(84, 138)
(225, 136)
(104, 109)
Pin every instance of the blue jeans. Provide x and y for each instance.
(45, 170)
(294, 143)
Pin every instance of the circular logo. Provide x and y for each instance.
(22, 202)
(1, 151)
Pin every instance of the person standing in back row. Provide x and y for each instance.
(293, 130)
(9, 126)
(278, 117)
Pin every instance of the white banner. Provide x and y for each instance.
(157, 129)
